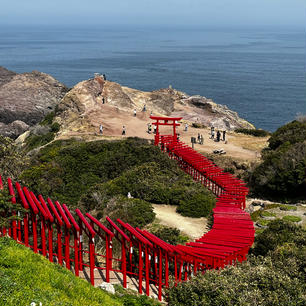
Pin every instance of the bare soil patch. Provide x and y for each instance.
(192, 227)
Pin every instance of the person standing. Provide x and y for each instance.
(101, 129)
(218, 136)
(103, 100)
(224, 132)
(123, 130)
(144, 108)
(199, 138)
(135, 112)
(212, 132)
(202, 139)
(186, 127)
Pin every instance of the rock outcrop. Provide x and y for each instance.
(25, 99)
(82, 106)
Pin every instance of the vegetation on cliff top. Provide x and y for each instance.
(282, 175)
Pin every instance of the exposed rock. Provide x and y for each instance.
(26, 98)
(107, 287)
(13, 129)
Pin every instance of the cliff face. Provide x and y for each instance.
(25, 99)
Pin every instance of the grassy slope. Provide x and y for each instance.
(26, 277)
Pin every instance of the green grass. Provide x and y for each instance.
(267, 214)
(258, 213)
(263, 222)
(288, 207)
(26, 277)
(292, 218)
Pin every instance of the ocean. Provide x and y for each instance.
(260, 73)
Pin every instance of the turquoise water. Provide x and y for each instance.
(260, 73)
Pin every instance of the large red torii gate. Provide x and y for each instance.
(170, 121)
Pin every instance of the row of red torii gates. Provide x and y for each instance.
(72, 239)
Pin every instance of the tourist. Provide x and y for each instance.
(144, 108)
(212, 132)
(186, 127)
(103, 100)
(154, 129)
(104, 77)
(224, 132)
(149, 128)
(135, 112)
(101, 129)
(218, 136)
(201, 139)
(123, 130)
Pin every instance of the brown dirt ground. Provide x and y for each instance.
(194, 228)
(239, 146)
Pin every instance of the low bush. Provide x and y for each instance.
(170, 235)
(288, 208)
(281, 175)
(278, 233)
(276, 279)
(253, 132)
(153, 183)
(292, 218)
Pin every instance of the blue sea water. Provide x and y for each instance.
(259, 73)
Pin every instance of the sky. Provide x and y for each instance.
(235, 13)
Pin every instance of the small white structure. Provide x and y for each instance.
(107, 287)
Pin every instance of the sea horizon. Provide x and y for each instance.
(256, 72)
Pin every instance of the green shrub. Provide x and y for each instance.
(292, 218)
(170, 235)
(267, 214)
(35, 141)
(279, 232)
(136, 212)
(263, 222)
(277, 279)
(196, 205)
(255, 282)
(293, 132)
(288, 207)
(253, 132)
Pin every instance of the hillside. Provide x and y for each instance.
(26, 277)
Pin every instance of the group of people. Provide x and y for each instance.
(123, 130)
(218, 134)
(150, 128)
(200, 139)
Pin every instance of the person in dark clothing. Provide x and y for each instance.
(199, 138)
(218, 136)
(104, 77)
(224, 132)
(103, 100)
(123, 130)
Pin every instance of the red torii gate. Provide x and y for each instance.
(169, 121)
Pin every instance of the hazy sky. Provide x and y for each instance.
(178, 12)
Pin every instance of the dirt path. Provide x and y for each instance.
(192, 227)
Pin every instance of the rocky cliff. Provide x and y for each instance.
(82, 108)
(25, 99)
